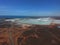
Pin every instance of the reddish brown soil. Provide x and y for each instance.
(35, 35)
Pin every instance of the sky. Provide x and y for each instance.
(30, 7)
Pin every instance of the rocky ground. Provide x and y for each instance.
(30, 35)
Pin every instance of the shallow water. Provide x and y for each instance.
(34, 21)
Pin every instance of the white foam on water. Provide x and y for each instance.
(39, 21)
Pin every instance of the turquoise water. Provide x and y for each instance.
(40, 22)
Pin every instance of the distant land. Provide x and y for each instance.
(56, 17)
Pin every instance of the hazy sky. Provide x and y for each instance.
(30, 7)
